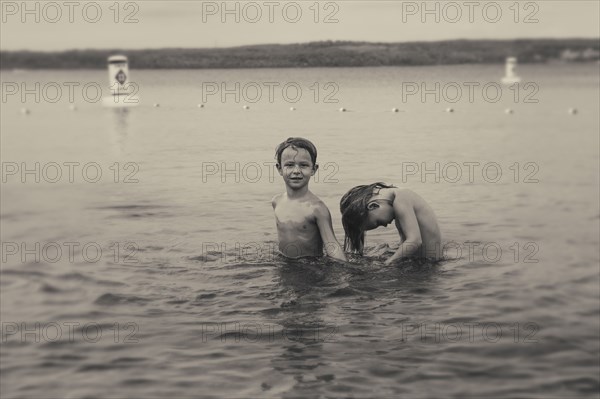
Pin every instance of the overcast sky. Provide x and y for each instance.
(157, 24)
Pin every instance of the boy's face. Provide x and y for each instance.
(296, 167)
(380, 213)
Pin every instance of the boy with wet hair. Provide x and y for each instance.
(303, 221)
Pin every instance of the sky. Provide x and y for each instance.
(108, 24)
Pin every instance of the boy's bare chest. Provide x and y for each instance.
(294, 213)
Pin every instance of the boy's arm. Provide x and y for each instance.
(405, 216)
(332, 246)
(274, 200)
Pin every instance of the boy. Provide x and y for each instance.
(368, 207)
(303, 220)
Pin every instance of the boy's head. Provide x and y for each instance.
(296, 161)
(296, 142)
(360, 213)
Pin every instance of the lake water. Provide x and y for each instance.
(158, 277)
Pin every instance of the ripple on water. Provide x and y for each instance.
(110, 299)
(51, 289)
(82, 277)
(132, 211)
(206, 296)
(344, 292)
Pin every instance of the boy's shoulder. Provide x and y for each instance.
(319, 207)
(276, 199)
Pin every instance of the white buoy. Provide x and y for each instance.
(200, 105)
(573, 111)
(342, 109)
(120, 84)
(24, 111)
(292, 109)
(510, 76)
(508, 111)
(449, 110)
(246, 107)
(395, 109)
(72, 107)
(156, 105)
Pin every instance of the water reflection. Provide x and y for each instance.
(329, 303)
(119, 128)
(302, 318)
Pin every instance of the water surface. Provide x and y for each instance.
(190, 299)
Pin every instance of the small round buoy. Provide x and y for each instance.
(395, 109)
(508, 111)
(156, 105)
(292, 109)
(246, 107)
(573, 111)
(449, 110)
(200, 105)
(72, 107)
(342, 109)
(24, 111)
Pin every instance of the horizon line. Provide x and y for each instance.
(309, 42)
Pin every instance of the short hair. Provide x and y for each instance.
(353, 207)
(297, 142)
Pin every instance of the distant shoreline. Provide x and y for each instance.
(318, 55)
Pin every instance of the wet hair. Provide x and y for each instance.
(297, 142)
(353, 207)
